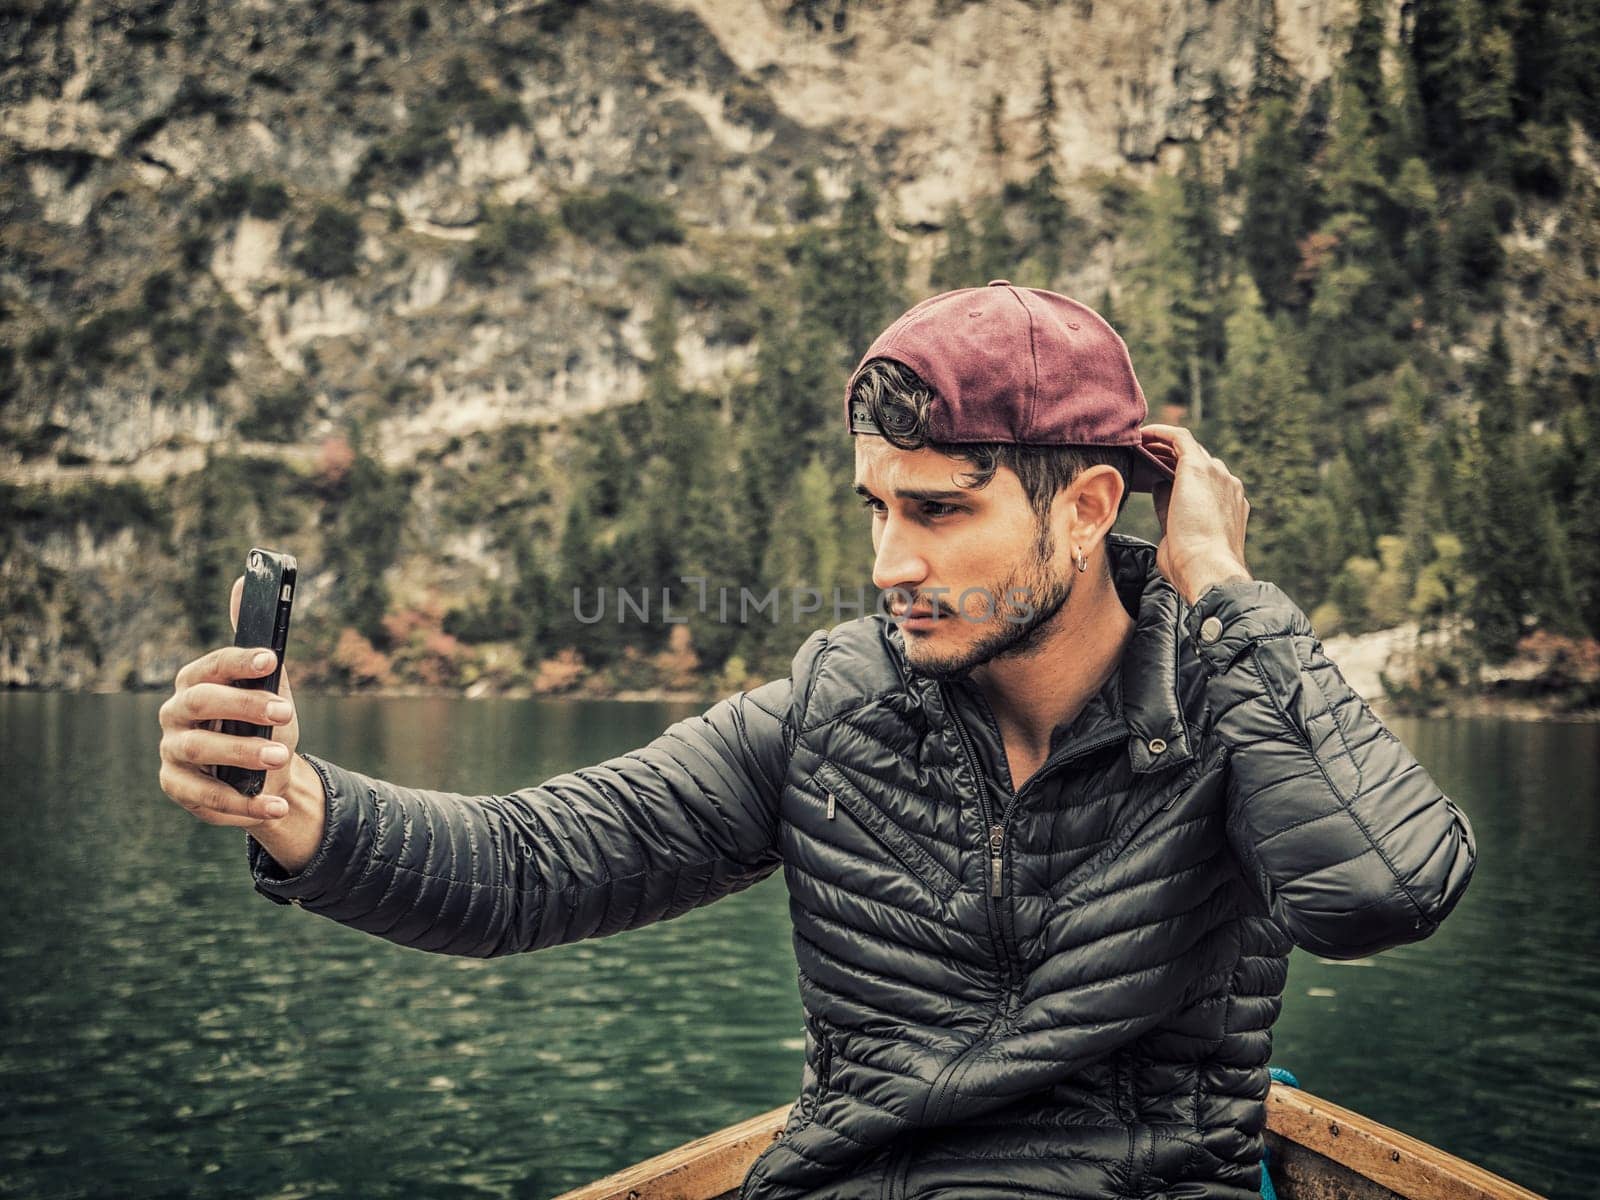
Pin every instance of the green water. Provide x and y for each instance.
(168, 1032)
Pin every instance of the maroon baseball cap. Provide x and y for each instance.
(1013, 364)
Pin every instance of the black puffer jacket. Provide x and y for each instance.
(1063, 993)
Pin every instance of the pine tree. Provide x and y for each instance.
(1390, 448)
(956, 266)
(1201, 308)
(367, 531)
(205, 592)
(585, 588)
(659, 512)
(1575, 30)
(997, 132)
(1355, 283)
(794, 405)
(531, 611)
(1271, 76)
(1503, 520)
(1047, 211)
(807, 556)
(810, 203)
(852, 275)
(1349, 533)
(678, 528)
(1319, 530)
(1583, 527)
(1157, 283)
(1554, 600)
(1216, 109)
(1262, 419)
(1175, 294)
(1466, 68)
(1276, 207)
(610, 465)
(997, 250)
(1408, 471)
(1363, 59)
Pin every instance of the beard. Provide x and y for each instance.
(1006, 634)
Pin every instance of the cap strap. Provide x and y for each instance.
(861, 418)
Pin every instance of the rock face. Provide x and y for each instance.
(918, 82)
(171, 277)
(122, 125)
(123, 130)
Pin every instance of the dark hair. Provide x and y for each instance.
(898, 400)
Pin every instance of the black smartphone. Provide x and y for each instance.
(263, 621)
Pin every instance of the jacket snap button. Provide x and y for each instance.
(1210, 630)
(1157, 745)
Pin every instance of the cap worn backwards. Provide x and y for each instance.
(1011, 364)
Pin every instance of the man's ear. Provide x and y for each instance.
(1095, 500)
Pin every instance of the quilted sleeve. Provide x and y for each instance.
(642, 837)
(1348, 842)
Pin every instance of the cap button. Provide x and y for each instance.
(999, 283)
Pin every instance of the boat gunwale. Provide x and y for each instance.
(715, 1165)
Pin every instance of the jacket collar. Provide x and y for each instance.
(1149, 667)
(1140, 698)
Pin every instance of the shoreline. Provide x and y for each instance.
(1508, 709)
(1541, 683)
(1511, 708)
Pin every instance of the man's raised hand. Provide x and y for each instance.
(191, 744)
(1202, 512)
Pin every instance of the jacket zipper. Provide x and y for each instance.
(824, 1066)
(997, 836)
(1076, 752)
(1006, 935)
(1000, 929)
(918, 864)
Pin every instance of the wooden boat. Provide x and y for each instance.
(1316, 1151)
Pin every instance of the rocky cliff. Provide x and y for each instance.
(235, 229)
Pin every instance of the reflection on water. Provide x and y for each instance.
(168, 1031)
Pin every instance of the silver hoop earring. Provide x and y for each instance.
(1083, 562)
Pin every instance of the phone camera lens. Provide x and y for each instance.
(257, 562)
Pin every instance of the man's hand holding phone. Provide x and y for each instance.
(288, 814)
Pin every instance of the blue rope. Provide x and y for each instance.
(1268, 1192)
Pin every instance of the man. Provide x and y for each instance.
(1049, 833)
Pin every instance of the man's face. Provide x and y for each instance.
(977, 561)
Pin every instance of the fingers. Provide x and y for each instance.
(1173, 444)
(192, 745)
(1179, 443)
(214, 802)
(1175, 439)
(204, 702)
(188, 756)
(226, 664)
(203, 747)
(1159, 446)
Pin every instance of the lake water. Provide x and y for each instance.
(169, 1032)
